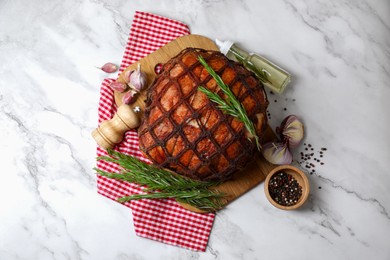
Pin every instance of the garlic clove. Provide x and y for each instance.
(130, 97)
(137, 79)
(277, 153)
(291, 130)
(118, 86)
(109, 67)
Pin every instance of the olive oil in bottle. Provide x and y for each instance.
(271, 75)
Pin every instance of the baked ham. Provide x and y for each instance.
(182, 130)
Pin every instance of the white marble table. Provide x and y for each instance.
(339, 55)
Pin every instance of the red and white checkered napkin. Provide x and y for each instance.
(161, 220)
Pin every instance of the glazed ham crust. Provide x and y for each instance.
(182, 130)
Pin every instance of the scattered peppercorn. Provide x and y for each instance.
(268, 114)
(284, 189)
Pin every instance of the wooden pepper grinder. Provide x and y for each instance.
(111, 132)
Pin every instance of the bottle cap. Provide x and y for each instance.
(224, 46)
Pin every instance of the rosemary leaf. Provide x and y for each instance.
(231, 106)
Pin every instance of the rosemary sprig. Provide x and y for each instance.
(231, 106)
(261, 74)
(161, 183)
(199, 199)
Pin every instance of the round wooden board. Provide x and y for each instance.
(256, 171)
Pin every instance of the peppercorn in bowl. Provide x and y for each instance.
(287, 187)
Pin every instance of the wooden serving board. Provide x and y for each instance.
(256, 171)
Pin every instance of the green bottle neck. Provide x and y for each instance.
(237, 54)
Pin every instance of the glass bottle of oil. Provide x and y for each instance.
(272, 76)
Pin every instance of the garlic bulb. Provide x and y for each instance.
(126, 75)
(277, 153)
(291, 131)
(137, 79)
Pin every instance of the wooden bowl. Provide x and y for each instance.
(298, 175)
